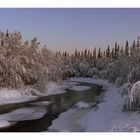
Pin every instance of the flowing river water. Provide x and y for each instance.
(59, 103)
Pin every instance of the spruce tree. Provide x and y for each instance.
(116, 50)
(112, 53)
(94, 53)
(127, 48)
(108, 52)
(138, 43)
(134, 45)
(94, 57)
(7, 33)
(85, 53)
(122, 50)
(99, 54)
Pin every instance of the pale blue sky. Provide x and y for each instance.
(67, 29)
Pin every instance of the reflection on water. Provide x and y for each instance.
(60, 103)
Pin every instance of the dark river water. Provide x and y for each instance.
(60, 103)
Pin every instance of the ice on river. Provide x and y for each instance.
(107, 118)
(22, 114)
(80, 88)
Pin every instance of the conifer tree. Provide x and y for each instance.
(122, 51)
(94, 53)
(108, 52)
(7, 33)
(82, 55)
(85, 53)
(127, 48)
(116, 50)
(134, 45)
(99, 54)
(94, 57)
(75, 53)
(88, 55)
(112, 53)
(138, 43)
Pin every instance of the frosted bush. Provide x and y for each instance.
(92, 71)
(134, 75)
(29, 91)
(103, 74)
(83, 69)
(135, 93)
(119, 81)
(126, 89)
(132, 101)
(110, 66)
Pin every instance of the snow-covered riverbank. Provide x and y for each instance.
(8, 96)
(22, 95)
(108, 117)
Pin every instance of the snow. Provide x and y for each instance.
(67, 121)
(82, 105)
(41, 103)
(80, 88)
(135, 92)
(53, 88)
(9, 93)
(4, 123)
(17, 100)
(22, 114)
(107, 118)
(8, 96)
(101, 82)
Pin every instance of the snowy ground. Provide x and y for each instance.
(13, 96)
(32, 113)
(16, 96)
(107, 118)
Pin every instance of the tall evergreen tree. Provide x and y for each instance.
(76, 53)
(138, 43)
(122, 51)
(7, 33)
(108, 52)
(116, 50)
(82, 55)
(94, 57)
(112, 53)
(127, 48)
(99, 53)
(94, 53)
(85, 53)
(88, 55)
(134, 45)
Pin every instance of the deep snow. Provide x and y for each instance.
(107, 118)
(21, 114)
(20, 95)
(16, 96)
(82, 105)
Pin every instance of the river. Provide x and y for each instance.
(59, 103)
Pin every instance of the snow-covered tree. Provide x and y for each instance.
(132, 101)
